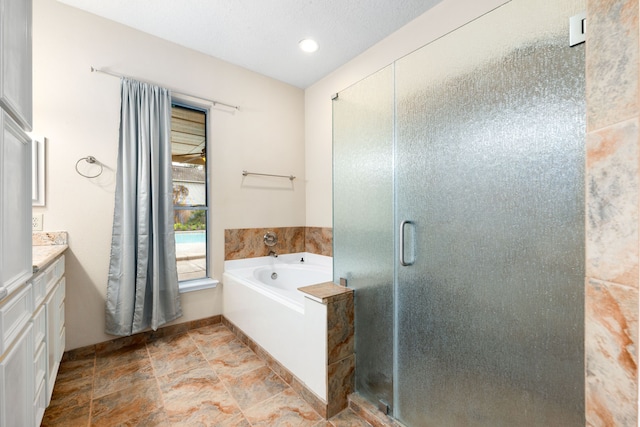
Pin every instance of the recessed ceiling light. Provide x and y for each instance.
(308, 45)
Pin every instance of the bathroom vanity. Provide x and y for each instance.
(32, 336)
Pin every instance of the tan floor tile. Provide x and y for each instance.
(167, 344)
(174, 353)
(157, 418)
(255, 386)
(235, 364)
(196, 397)
(116, 378)
(64, 415)
(72, 392)
(74, 369)
(188, 391)
(215, 341)
(122, 356)
(284, 409)
(237, 421)
(134, 402)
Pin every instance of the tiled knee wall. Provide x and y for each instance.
(341, 358)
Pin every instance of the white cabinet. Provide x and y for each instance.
(15, 205)
(49, 331)
(40, 363)
(16, 60)
(15, 313)
(54, 308)
(16, 369)
(32, 334)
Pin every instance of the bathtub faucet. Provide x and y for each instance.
(273, 254)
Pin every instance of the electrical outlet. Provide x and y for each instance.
(36, 222)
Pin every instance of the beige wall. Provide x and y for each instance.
(78, 112)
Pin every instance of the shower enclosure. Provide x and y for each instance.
(459, 222)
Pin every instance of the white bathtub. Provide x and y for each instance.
(276, 315)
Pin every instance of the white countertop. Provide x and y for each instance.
(43, 255)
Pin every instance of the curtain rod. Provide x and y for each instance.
(109, 73)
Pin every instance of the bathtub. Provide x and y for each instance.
(273, 313)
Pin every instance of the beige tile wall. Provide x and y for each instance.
(612, 187)
(242, 243)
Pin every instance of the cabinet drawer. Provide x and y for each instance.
(54, 272)
(62, 292)
(14, 314)
(40, 363)
(39, 284)
(61, 315)
(39, 326)
(40, 402)
(59, 267)
(61, 344)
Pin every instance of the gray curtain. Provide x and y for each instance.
(142, 290)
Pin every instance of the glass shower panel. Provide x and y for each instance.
(363, 223)
(490, 133)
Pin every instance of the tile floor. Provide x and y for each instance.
(203, 377)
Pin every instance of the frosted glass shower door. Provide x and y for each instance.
(489, 170)
(363, 223)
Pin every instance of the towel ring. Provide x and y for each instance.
(90, 160)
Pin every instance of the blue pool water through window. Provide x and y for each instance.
(191, 237)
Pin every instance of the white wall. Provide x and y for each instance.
(440, 20)
(78, 112)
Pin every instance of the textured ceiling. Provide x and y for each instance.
(263, 35)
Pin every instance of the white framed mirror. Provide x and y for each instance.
(37, 170)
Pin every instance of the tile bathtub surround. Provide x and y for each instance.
(612, 217)
(204, 376)
(340, 342)
(318, 240)
(242, 243)
(43, 238)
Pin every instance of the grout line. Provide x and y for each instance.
(221, 380)
(224, 384)
(155, 376)
(93, 384)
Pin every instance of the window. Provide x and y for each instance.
(190, 192)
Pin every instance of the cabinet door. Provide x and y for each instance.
(54, 308)
(15, 204)
(16, 383)
(16, 61)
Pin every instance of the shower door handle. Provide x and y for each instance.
(403, 259)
